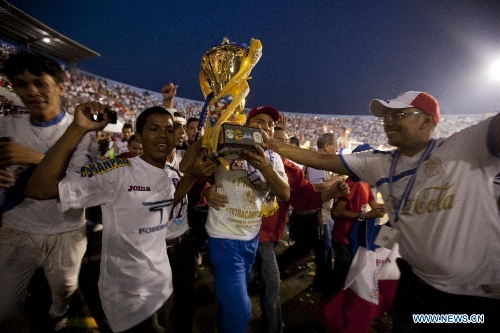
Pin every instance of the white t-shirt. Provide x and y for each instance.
(136, 198)
(42, 216)
(316, 176)
(240, 219)
(497, 186)
(450, 231)
(178, 222)
(121, 147)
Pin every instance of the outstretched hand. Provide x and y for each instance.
(282, 121)
(336, 188)
(269, 142)
(339, 189)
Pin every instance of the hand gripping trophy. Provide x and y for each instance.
(225, 70)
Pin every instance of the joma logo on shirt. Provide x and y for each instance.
(139, 188)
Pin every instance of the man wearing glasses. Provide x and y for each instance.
(440, 199)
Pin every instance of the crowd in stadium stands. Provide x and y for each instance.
(129, 102)
(82, 87)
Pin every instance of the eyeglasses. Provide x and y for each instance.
(399, 115)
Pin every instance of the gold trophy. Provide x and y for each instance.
(225, 70)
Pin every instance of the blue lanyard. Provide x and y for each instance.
(406, 193)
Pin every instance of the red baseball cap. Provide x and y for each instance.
(410, 99)
(270, 110)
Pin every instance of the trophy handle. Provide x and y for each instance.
(204, 85)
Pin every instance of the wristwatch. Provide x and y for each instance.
(361, 216)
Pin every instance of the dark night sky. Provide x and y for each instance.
(328, 57)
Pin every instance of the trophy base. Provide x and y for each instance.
(236, 138)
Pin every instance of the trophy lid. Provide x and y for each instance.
(222, 62)
(225, 41)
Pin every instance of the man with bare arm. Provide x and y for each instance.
(440, 199)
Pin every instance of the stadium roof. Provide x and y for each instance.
(21, 28)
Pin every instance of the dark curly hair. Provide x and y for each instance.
(143, 117)
(34, 63)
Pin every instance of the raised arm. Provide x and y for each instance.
(306, 157)
(198, 168)
(190, 155)
(278, 185)
(168, 92)
(44, 181)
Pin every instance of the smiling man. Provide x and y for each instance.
(439, 196)
(137, 197)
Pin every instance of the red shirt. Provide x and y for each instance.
(195, 194)
(360, 195)
(303, 196)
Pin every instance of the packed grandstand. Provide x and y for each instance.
(129, 101)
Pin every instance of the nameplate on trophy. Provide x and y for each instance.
(237, 138)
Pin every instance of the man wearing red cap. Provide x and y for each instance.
(233, 231)
(439, 196)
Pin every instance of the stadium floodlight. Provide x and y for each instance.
(46, 40)
(495, 70)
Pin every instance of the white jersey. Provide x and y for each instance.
(316, 176)
(42, 216)
(497, 186)
(178, 222)
(240, 219)
(136, 199)
(121, 147)
(450, 227)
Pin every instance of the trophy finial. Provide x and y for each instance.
(225, 40)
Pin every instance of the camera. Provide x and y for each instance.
(112, 115)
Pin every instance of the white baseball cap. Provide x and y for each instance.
(410, 99)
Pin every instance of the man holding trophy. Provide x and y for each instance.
(251, 178)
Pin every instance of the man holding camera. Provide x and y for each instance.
(34, 233)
